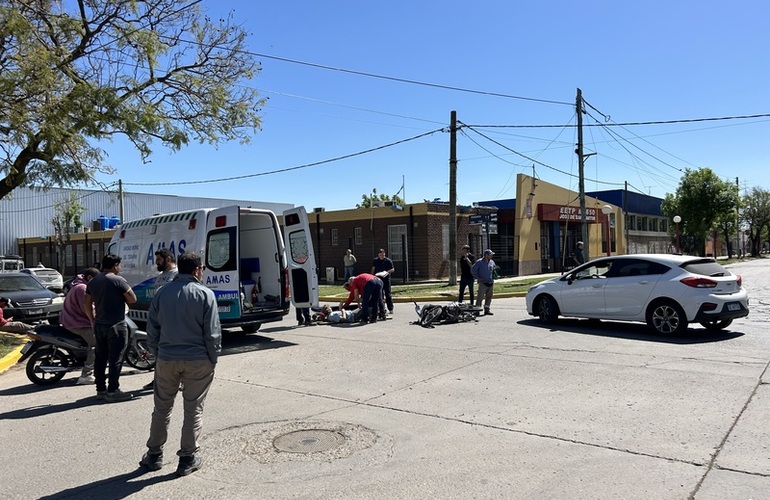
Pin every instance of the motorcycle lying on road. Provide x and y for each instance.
(53, 351)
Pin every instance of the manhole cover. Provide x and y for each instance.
(308, 441)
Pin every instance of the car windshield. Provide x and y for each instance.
(19, 284)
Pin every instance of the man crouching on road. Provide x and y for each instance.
(184, 334)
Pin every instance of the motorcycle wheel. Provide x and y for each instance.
(46, 357)
(138, 356)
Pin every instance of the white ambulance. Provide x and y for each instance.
(253, 267)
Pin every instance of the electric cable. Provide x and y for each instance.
(288, 169)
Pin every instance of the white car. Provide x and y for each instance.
(50, 278)
(665, 291)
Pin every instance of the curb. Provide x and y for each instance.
(10, 359)
(429, 298)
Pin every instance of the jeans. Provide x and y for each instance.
(372, 298)
(466, 282)
(111, 342)
(196, 377)
(350, 271)
(386, 292)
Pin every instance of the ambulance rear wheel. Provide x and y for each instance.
(251, 328)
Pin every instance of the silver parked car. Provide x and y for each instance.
(665, 291)
(50, 278)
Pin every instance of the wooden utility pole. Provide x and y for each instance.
(453, 198)
(581, 174)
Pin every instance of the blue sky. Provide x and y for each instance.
(635, 61)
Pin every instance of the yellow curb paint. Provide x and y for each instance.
(10, 359)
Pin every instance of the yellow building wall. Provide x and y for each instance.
(531, 192)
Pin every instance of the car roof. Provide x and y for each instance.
(38, 269)
(663, 258)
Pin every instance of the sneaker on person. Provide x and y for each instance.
(188, 465)
(101, 395)
(487, 312)
(152, 461)
(118, 396)
(86, 380)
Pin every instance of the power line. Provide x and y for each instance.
(536, 161)
(397, 79)
(288, 169)
(630, 124)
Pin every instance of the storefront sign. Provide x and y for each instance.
(562, 213)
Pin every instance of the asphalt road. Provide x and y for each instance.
(500, 408)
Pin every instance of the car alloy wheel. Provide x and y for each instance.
(547, 310)
(667, 318)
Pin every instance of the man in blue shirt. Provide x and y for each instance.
(483, 272)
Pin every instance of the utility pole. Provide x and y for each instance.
(120, 200)
(581, 174)
(453, 198)
(737, 217)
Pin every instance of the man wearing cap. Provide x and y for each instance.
(483, 272)
(466, 278)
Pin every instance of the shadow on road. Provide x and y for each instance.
(112, 488)
(633, 331)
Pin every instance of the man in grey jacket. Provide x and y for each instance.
(184, 333)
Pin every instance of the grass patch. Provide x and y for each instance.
(10, 341)
(438, 290)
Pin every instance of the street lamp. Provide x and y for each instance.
(607, 210)
(677, 220)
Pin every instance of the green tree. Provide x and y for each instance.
(68, 215)
(701, 200)
(368, 199)
(755, 214)
(75, 73)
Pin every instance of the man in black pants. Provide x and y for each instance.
(109, 293)
(382, 267)
(466, 277)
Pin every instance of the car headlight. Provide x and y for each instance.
(57, 300)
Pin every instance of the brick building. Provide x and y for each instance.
(415, 237)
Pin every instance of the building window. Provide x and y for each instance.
(359, 236)
(335, 237)
(396, 242)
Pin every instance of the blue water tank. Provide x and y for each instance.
(114, 221)
(104, 222)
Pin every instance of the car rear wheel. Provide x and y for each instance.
(547, 309)
(667, 317)
(716, 324)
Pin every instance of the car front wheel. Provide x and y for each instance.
(667, 317)
(547, 309)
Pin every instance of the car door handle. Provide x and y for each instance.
(598, 285)
(644, 282)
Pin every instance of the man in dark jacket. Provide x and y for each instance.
(184, 334)
(466, 277)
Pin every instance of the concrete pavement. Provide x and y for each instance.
(500, 408)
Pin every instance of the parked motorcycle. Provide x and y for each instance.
(53, 351)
